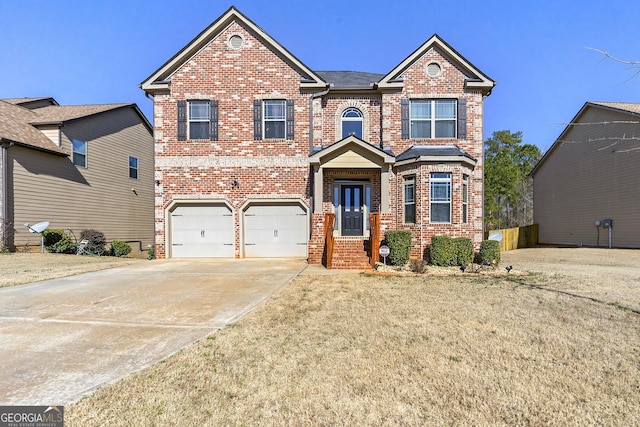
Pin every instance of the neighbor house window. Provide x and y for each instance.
(79, 153)
(198, 119)
(273, 119)
(410, 199)
(440, 190)
(352, 122)
(465, 199)
(432, 118)
(133, 167)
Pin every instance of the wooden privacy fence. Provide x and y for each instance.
(517, 238)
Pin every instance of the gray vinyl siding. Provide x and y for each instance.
(590, 175)
(50, 188)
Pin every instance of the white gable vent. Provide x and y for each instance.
(433, 70)
(236, 42)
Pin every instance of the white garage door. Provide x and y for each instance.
(201, 231)
(278, 230)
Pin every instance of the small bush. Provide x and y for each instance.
(151, 252)
(120, 248)
(446, 251)
(417, 266)
(489, 251)
(58, 242)
(464, 250)
(96, 239)
(442, 251)
(399, 242)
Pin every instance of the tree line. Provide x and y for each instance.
(508, 188)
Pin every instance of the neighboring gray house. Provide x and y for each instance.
(589, 174)
(78, 167)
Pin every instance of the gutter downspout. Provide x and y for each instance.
(311, 184)
(4, 191)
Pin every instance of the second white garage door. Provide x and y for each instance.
(201, 231)
(275, 230)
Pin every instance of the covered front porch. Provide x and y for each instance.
(351, 182)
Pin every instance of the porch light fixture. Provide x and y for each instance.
(235, 184)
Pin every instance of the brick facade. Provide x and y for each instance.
(235, 63)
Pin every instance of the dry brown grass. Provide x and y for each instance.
(19, 268)
(375, 350)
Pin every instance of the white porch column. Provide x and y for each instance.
(384, 189)
(318, 178)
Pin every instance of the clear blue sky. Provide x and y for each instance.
(86, 52)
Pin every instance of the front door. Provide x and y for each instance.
(352, 207)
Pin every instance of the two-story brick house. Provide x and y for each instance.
(253, 148)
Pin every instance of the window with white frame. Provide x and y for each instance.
(433, 118)
(440, 192)
(79, 153)
(465, 199)
(351, 122)
(274, 119)
(133, 167)
(410, 199)
(199, 119)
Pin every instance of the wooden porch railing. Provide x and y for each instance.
(374, 226)
(329, 219)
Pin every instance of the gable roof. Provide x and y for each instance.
(15, 128)
(385, 155)
(160, 78)
(19, 125)
(476, 79)
(631, 108)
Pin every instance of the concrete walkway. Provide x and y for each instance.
(62, 338)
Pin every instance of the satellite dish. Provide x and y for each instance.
(37, 228)
(496, 235)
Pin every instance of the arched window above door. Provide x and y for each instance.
(351, 122)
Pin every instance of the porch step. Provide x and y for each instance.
(350, 254)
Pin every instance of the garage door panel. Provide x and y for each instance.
(277, 230)
(202, 231)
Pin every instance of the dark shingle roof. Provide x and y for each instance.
(418, 151)
(350, 78)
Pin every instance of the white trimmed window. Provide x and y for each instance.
(133, 167)
(199, 119)
(352, 122)
(465, 199)
(440, 191)
(274, 119)
(410, 199)
(79, 153)
(433, 118)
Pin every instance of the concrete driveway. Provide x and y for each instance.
(62, 338)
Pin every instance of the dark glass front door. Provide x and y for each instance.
(352, 206)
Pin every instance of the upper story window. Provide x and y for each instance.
(440, 193)
(133, 167)
(434, 118)
(198, 119)
(79, 153)
(352, 122)
(273, 119)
